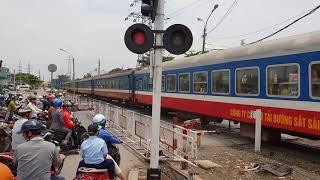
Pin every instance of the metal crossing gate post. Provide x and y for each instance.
(154, 170)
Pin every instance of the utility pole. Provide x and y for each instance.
(39, 74)
(14, 79)
(154, 171)
(204, 36)
(99, 67)
(29, 67)
(20, 67)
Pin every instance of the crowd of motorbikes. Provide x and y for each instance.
(79, 134)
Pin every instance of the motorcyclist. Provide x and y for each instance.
(12, 107)
(18, 139)
(33, 107)
(110, 140)
(50, 107)
(35, 157)
(94, 152)
(101, 121)
(67, 115)
(58, 123)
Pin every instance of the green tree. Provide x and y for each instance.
(115, 70)
(192, 53)
(144, 59)
(30, 79)
(64, 78)
(87, 75)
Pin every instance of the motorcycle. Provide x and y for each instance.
(7, 159)
(79, 134)
(114, 152)
(5, 137)
(91, 173)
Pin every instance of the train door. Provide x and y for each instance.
(92, 87)
(132, 88)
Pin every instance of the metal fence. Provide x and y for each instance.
(176, 142)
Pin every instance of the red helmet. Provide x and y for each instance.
(51, 96)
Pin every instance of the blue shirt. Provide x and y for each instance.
(105, 135)
(93, 150)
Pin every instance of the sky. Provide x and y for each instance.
(33, 31)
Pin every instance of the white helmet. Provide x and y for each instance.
(99, 118)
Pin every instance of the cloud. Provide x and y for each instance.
(34, 30)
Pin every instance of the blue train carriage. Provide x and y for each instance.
(117, 86)
(281, 77)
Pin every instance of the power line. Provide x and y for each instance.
(181, 10)
(295, 21)
(225, 15)
(260, 30)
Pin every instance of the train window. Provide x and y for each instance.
(163, 83)
(315, 80)
(200, 82)
(247, 81)
(184, 82)
(171, 83)
(148, 84)
(139, 84)
(283, 80)
(220, 82)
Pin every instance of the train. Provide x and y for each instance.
(281, 77)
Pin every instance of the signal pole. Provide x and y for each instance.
(154, 172)
(99, 67)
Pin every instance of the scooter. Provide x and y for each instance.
(79, 134)
(7, 159)
(5, 137)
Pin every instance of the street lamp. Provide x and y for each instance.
(205, 27)
(73, 73)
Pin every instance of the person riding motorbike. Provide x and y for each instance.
(67, 115)
(110, 140)
(50, 107)
(94, 152)
(35, 157)
(5, 172)
(58, 123)
(101, 121)
(33, 107)
(12, 108)
(18, 139)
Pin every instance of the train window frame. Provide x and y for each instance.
(189, 74)
(193, 75)
(235, 81)
(310, 80)
(175, 87)
(212, 84)
(281, 65)
(163, 83)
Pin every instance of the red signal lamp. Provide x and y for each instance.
(139, 38)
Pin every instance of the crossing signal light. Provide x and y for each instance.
(177, 39)
(139, 38)
(149, 8)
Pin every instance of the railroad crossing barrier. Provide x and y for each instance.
(176, 142)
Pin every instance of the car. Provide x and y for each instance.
(23, 87)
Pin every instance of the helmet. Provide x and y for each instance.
(30, 125)
(57, 103)
(44, 101)
(32, 97)
(51, 96)
(5, 172)
(99, 119)
(93, 129)
(67, 104)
